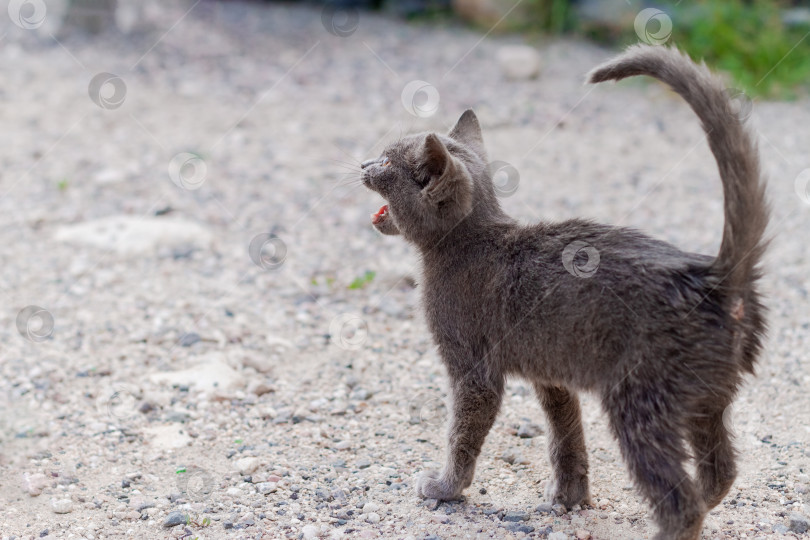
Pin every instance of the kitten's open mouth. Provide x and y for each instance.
(380, 216)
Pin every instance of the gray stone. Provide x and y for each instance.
(799, 523)
(520, 527)
(514, 456)
(174, 519)
(360, 394)
(266, 487)
(559, 509)
(189, 339)
(544, 508)
(516, 516)
(528, 430)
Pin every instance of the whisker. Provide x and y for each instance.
(347, 163)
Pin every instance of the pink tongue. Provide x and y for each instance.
(376, 218)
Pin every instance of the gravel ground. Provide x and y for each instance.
(167, 378)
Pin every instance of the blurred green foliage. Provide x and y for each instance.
(747, 39)
(750, 41)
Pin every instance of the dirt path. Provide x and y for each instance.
(299, 396)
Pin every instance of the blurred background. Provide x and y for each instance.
(203, 336)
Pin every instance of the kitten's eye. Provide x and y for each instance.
(386, 162)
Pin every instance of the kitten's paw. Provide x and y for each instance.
(568, 491)
(430, 485)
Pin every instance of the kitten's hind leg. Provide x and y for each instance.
(475, 405)
(566, 446)
(714, 456)
(648, 426)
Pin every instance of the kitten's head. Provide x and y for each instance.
(432, 183)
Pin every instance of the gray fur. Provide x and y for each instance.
(663, 337)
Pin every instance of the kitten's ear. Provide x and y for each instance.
(435, 156)
(448, 178)
(468, 131)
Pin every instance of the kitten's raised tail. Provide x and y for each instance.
(733, 146)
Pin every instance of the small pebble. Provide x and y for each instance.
(34, 484)
(799, 523)
(528, 430)
(373, 518)
(187, 340)
(515, 516)
(62, 506)
(174, 519)
(310, 531)
(247, 465)
(267, 487)
(544, 508)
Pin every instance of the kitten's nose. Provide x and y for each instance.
(368, 162)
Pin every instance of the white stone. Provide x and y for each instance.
(134, 235)
(373, 518)
(35, 483)
(519, 62)
(247, 465)
(213, 374)
(62, 506)
(166, 437)
(310, 531)
(370, 507)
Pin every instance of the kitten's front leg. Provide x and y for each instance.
(475, 405)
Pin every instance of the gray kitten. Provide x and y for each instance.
(663, 337)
